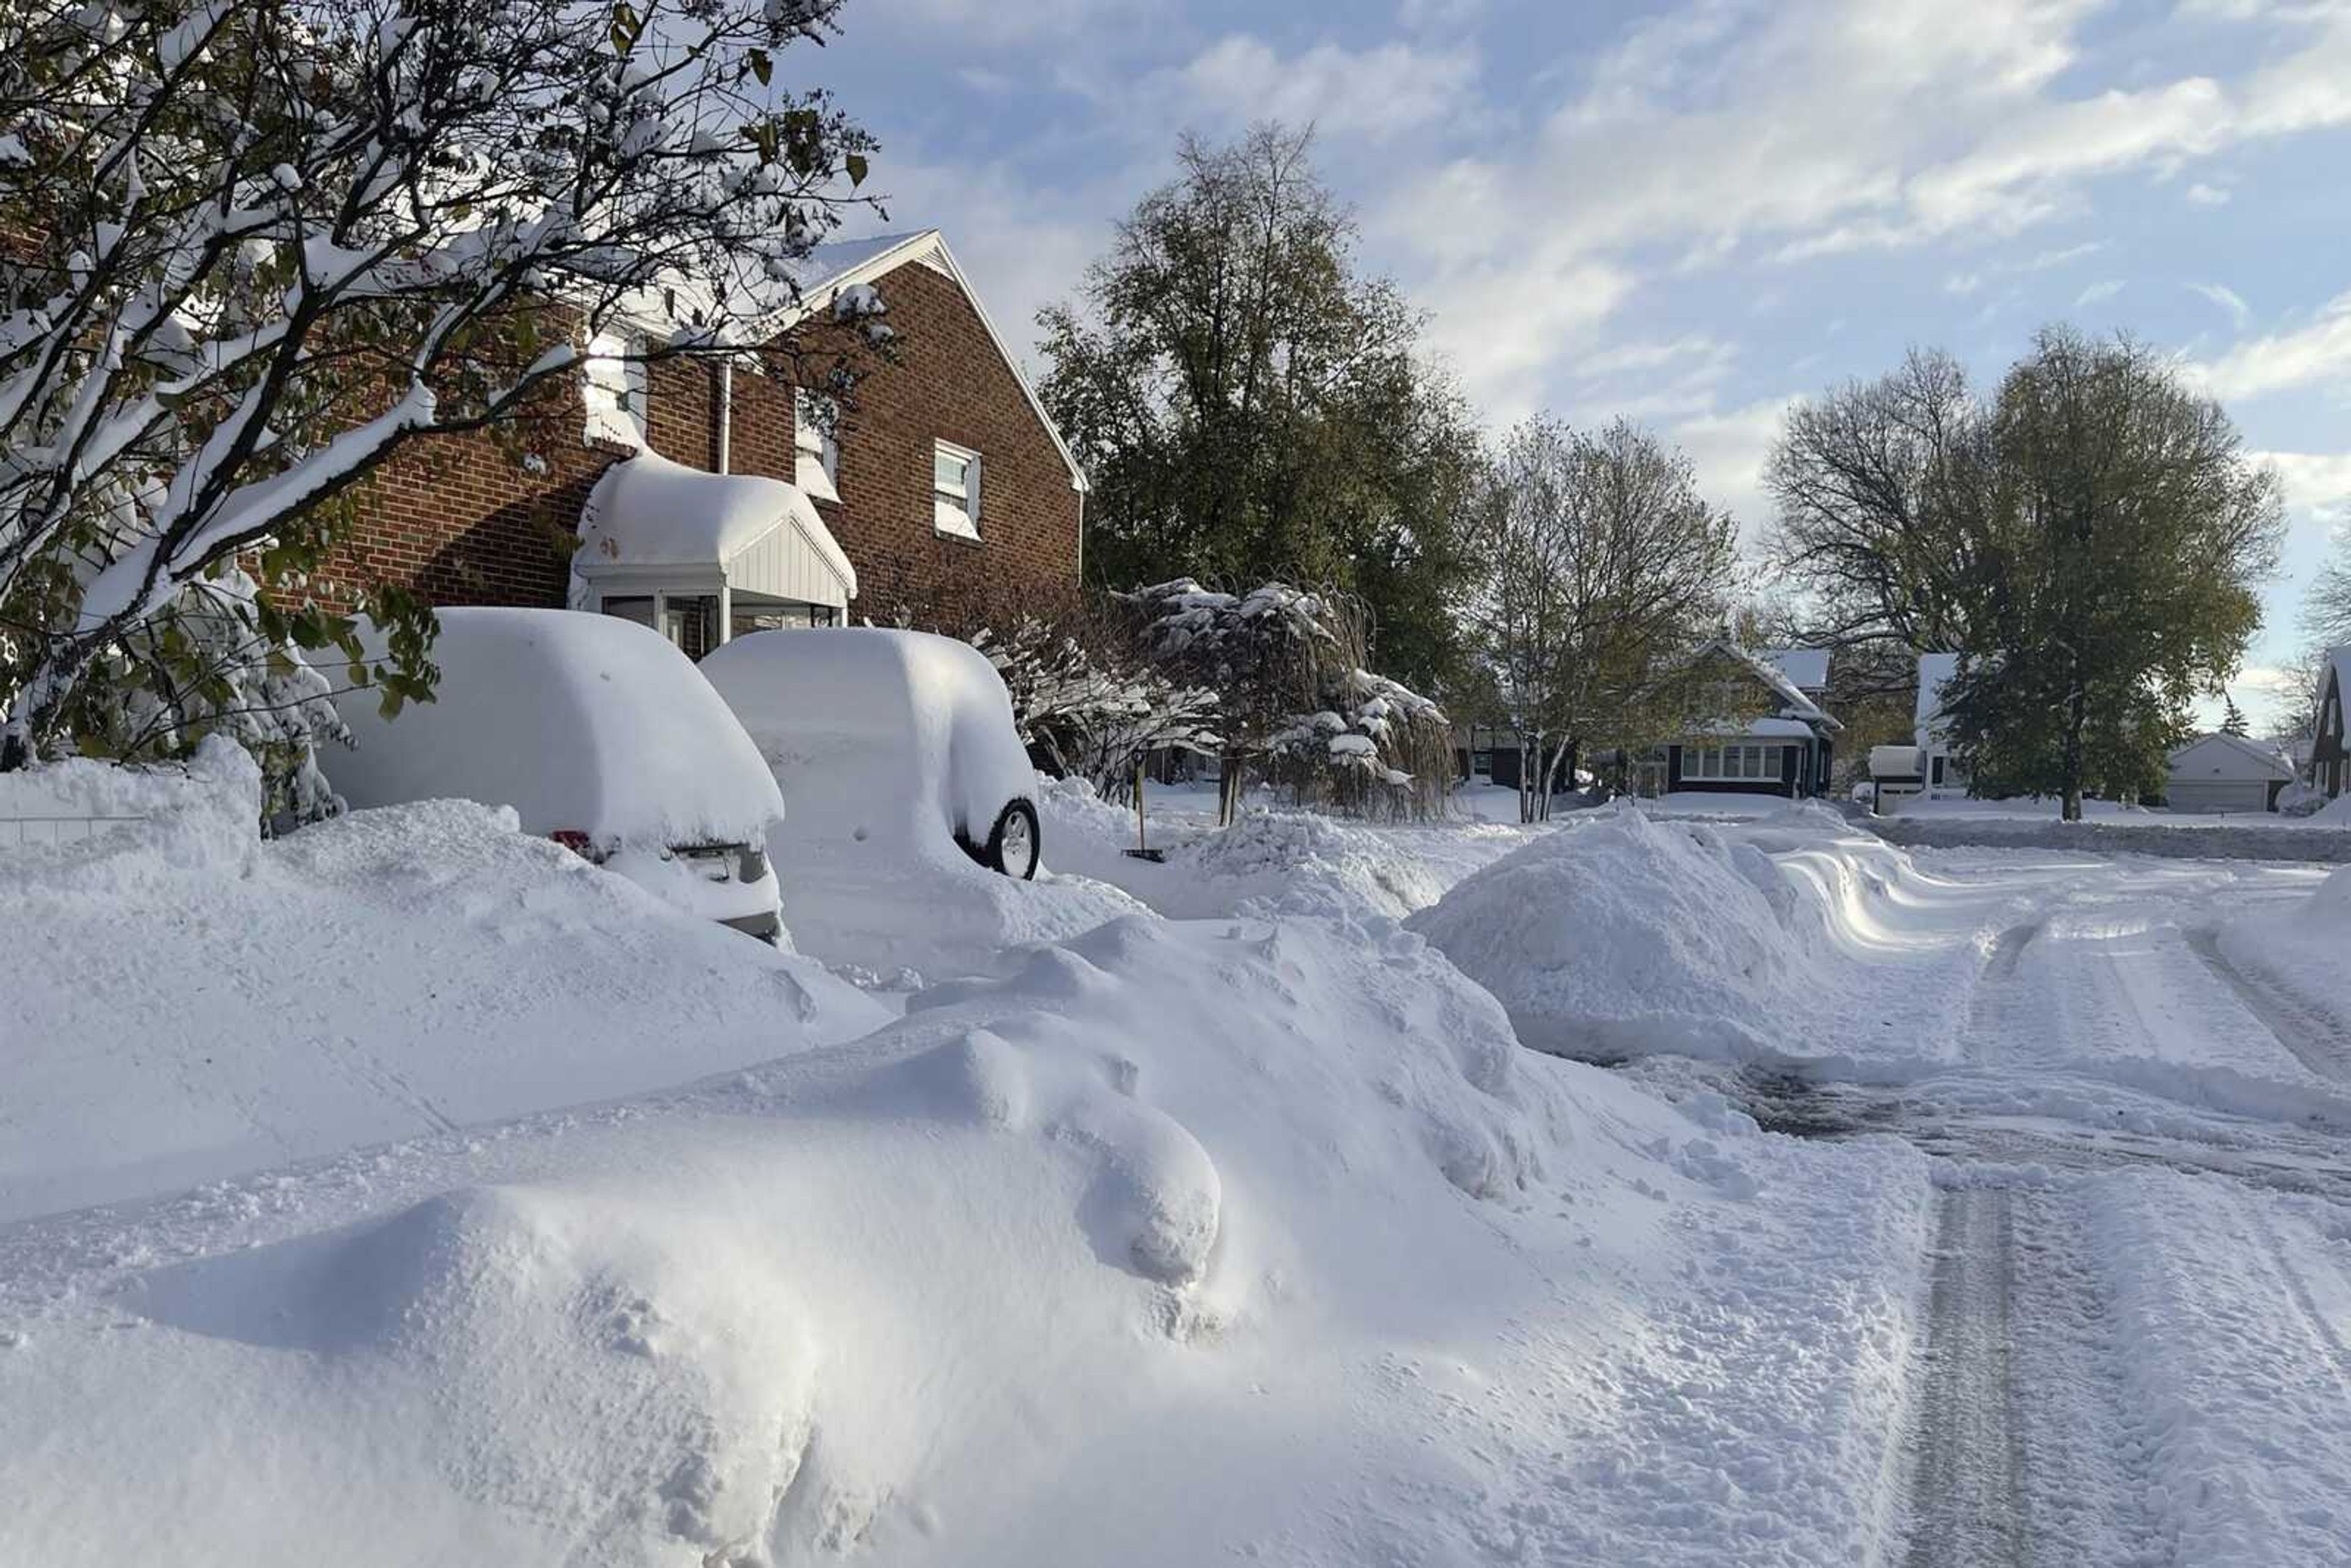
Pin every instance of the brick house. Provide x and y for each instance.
(707, 501)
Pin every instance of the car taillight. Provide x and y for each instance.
(577, 842)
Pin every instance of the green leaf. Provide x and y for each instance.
(855, 165)
(761, 66)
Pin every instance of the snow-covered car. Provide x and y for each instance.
(602, 736)
(899, 737)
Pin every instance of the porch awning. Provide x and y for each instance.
(652, 517)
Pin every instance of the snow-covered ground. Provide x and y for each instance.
(540, 1223)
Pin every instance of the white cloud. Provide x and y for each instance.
(2103, 289)
(2204, 195)
(1729, 451)
(2228, 299)
(1374, 93)
(2315, 354)
(2317, 483)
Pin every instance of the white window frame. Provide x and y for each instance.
(1735, 762)
(612, 389)
(956, 512)
(816, 466)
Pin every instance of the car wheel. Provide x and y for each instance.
(1014, 844)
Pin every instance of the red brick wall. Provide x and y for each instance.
(950, 384)
(472, 520)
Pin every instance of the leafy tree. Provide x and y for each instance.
(2233, 719)
(255, 247)
(1603, 566)
(2118, 554)
(2090, 539)
(1249, 407)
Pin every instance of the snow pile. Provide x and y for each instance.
(1629, 936)
(187, 1001)
(1061, 1270)
(131, 829)
(1777, 942)
(2302, 947)
(1286, 860)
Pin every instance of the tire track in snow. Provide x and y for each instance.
(2298, 1030)
(2323, 1331)
(1964, 1482)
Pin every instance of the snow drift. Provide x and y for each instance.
(1066, 1266)
(1624, 936)
(187, 1001)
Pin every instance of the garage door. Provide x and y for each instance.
(2218, 795)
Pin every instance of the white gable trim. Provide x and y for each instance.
(929, 248)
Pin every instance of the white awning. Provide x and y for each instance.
(650, 517)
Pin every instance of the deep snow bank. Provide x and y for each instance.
(1173, 1244)
(2302, 947)
(186, 1002)
(1783, 939)
(1270, 861)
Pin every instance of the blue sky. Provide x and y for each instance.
(1692, 214)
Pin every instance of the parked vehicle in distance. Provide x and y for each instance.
(886, 744)
(602, 736)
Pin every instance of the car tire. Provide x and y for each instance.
(1014, 844)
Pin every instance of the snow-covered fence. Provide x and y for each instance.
(2271, 841)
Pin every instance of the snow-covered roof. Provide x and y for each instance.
(2340, 658)
(1935, 672)
(2223, 756)
(1793, 704)
(647, 511)
(1807, 669)
(1761, 730)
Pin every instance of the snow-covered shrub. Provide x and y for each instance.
(214, 662)
(1082, 713)
(1294, 699)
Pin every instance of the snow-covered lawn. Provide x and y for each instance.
(539, 1222)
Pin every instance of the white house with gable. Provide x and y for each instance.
(1939, 770)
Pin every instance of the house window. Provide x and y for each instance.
(954, 490)
(1731, 764)
(816, 467)
(614, 390)
(639, 609)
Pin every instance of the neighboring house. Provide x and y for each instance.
(2330, 751)
(1784, 749)
(2220, 772)
(1939, 770)
(1806, 669)
(747, 512)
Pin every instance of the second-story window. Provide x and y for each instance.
(954, 490)
(614, 390)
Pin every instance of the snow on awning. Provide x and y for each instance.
(763, 535)
(1762, 729)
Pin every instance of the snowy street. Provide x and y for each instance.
(1951, 1207)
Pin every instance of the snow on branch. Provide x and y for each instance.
(247, 251)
